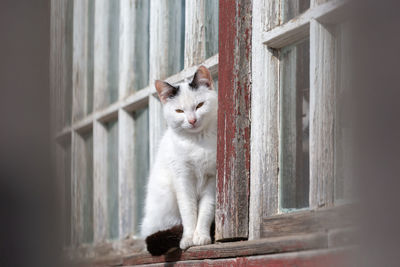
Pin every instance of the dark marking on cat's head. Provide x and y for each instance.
(166, 91)
(202, 77)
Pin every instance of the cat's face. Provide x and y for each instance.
(189, 107)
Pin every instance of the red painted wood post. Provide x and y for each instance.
(234, 87)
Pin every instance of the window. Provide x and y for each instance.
(297, 138)
(107, 55)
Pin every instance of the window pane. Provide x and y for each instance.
(211, 27)
(294, 125)
(87, 180)
(293, 8)
(67, 192)
(90, 59)
(112, 178)
(342, 175)
(141, 160)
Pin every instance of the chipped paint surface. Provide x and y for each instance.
(233, 157)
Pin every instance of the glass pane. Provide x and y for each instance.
(90, 59)
(141, 160)
(87, 186)
(113, 58)
(68, 62)
(211, 27)
(342, 175)
(141, 46)
(294, 125)
(112, 178)
(293, 8)
(67, 193)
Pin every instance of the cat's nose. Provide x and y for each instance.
(192, 121)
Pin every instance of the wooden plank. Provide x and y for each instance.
(322, 115)
(233, 151)
(235, 249)
(264, 129)
(325, 257)
(195, 37)
(166, 57)
(133, 46)
(310, 221)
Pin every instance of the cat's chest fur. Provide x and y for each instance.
(199, 153)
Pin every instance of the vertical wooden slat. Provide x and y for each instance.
(195, 37)
(166, 57)
(233, 152)
(264, 129)
(322, 114)
(201, 30)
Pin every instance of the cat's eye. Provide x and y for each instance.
(179, 110)
(200, 105)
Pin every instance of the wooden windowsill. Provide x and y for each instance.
(222, 250)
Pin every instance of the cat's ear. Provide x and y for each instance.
(165, 90)
(202, 77)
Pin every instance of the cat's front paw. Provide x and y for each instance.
(201, 239)
(186, 242)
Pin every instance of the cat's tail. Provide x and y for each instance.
(161, 242)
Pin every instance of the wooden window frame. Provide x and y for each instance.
(268, 37)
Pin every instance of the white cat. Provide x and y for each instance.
(181, 187)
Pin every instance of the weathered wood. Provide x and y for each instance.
(298, 28)
(326, 258)
(310, 221)
(322, 115)
(201, 30)
(235, 249)
(166, 57)
(195, 37)
(264, 129)
(233, 152)
(133, 46)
